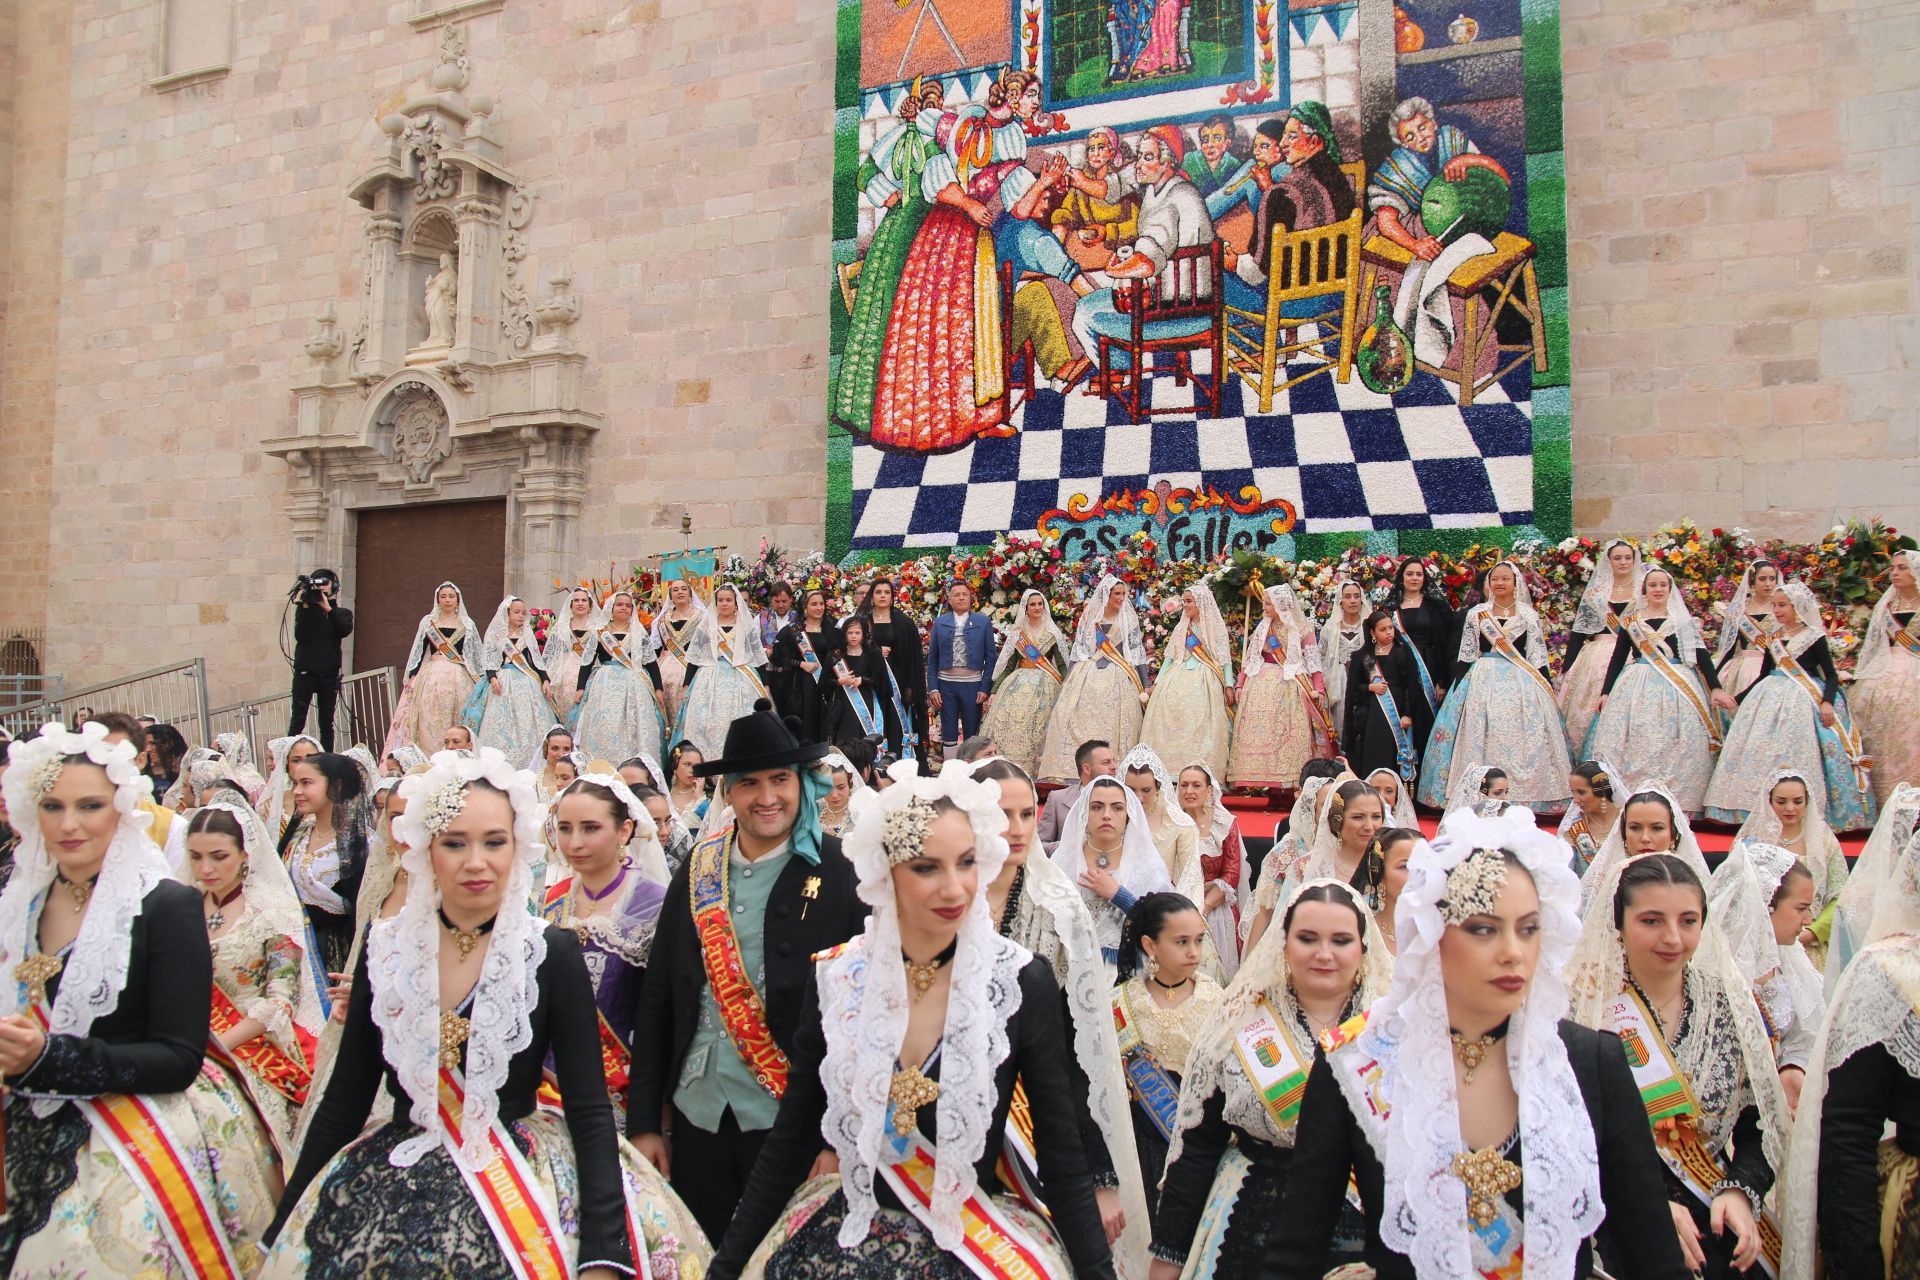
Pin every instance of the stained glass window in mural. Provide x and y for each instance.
(1101, 47)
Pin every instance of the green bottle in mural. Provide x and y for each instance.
(1384, 356)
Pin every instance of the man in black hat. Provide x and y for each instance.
(715, 1018)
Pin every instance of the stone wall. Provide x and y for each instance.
(1742, 185)
(1744, 213)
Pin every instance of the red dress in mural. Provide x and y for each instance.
(942, 370)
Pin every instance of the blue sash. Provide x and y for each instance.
(1419, 665)
(908, 738)
(1405, 757)
(806, 651)
(318, 963)
(865, 713)
(1151, 1085)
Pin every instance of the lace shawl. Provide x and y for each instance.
(404, 970)
(278, 809)
(1425, 1211)
(744, 649)
(1214, 1064)
(1141, 870)
(1877, 648)
(95, 972)
(662, 620)
(1590, 615)
(1300, 656)
(430, 623)
(638, 641)
(1532, 640)
(1825, 859)
(1018, 635)
(560, 631)
(1211, 629)
(1125, 629)
(1401, 813)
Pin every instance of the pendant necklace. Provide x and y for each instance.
(466, 939)
(218, 917)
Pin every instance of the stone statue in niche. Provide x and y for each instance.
(442, 288)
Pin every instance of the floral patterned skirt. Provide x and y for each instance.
(1886, 706)
(1580, 688)
(361, 1216)
(1095, 702)
(74, 1211)
(1276, 735)
(617, 718)
(1016, 719)
(1778, 727)
(433, 699)
(1187, 720)
(1651, 730)
(804, 1244)
(1498, 714)
(721, 694)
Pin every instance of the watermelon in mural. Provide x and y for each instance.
(1294, 274)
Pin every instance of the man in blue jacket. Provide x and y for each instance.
(960, 657)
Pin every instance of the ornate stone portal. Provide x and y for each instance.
(454, 383)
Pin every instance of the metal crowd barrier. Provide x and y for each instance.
(365, 709)
(175, 695)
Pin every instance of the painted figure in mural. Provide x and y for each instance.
(1165, 52)
(1312, 192)
(1218, 158)
(1249, 179)
(1173, 215)
(926, 401)
(1102, 206)
(1423, 150)
(1129, 23)
(891, 178)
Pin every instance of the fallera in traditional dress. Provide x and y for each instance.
(671, 638)
(515, 720)
(1656, 721)
(1338, 643)
(1160, 1038)
(1886, 698)
(1584, 675)
(617, 717)
(1740, 666)
(615, 946)
(566, 650)
(1025, 689)
(436, 691)
(1100, 698)
(1281, 727)
(1500, 710)
(723, 682)
(259, 970)
(1187, 717)
(1778, 727)
(75, 1208)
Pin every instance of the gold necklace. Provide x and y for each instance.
(1472, 1052)
(466, 939)
(81, 892)
(921, 976)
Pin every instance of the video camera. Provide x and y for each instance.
(309, 587)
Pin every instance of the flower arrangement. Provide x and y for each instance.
(1846, 568)
(542, 620)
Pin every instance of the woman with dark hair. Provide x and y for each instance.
(1478, 1125)
(855, 691)
(165, 751)
(690, 796)
(797, 666)
(1162, 1003)
(896, 637)
(325, 849)
(1420, 610)
(1233, 1136)
(1382, 690)
(1653, 969)
(1592, 813)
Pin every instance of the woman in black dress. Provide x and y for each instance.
(1384, 665)
(1478, 1125)
(911, 1040)
(854, 689)
(797, 671)
(1420, 610)
(457, 1003)
(325, 848)
(897, 638)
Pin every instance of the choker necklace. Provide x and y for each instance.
(1474, 1052)
(219, 916)
(921, 976)
(80, 890)
(603, 894)
(466, 939)
(1155, 980)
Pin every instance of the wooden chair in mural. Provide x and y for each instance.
(1177, 313)
(1313, 278)
(1021, 377)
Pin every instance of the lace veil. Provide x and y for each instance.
(639, 641)
(1878, 646)
(1590, 615)
(1740, 901)
(278, 808)
(863, 1008)
(1680, 622)
(660, 620)
(238, 753)
(1264, 973)
(645, 853)
(1211, 629)
(1534, 645)
(500, 631)
(560, 633)
(746, 649)
(1425, 1211)
(432, 620)
(1825, 858)
(1300, 656)
(1737, 608)
(1613, 850)
(1018, 635)
(404, 970)
(1467, 794)
(95, 973)
(1141, 870)
(1126, 636)
(1334, 649)
(1401, 814)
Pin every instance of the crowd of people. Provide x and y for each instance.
(602, 965)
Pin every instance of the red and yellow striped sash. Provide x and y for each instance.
(509, 1199)
(742, 1012)
(996, 1248)
(289, 1077)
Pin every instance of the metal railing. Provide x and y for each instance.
(365, 710)
(175, 695)
(20, 690)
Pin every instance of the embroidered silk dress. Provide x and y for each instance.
(1500, 710)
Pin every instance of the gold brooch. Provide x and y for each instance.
(453, 1034)
(909, 1092)
(1488, 1176)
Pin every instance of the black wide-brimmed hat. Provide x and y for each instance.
(761, 740)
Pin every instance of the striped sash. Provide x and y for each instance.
(289, 1077)
(857, 699)
(1031, 655)
(1501, 643)
(443, 646)
(742, 1013)
(1273, 1063)
(1843, 726)
(1109, 651)
(1653, 650)
(996, 1248)
(723, 648)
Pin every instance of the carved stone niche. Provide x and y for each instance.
(474, 406)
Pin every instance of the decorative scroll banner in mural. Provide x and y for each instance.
(1306, 255)
(1191, 524)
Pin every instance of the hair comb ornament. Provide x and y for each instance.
(906, 831)
(1474, 886)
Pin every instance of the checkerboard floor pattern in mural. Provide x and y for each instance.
(1348, 459)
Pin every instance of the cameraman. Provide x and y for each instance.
(318, 628)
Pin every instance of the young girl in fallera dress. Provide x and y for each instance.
(673, 633)
(1886, 679)
(620, 707)
(1593, 811)
(1105, 688)
(570, 642)
(1382, 687)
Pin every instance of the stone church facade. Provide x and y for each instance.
(273, 273)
